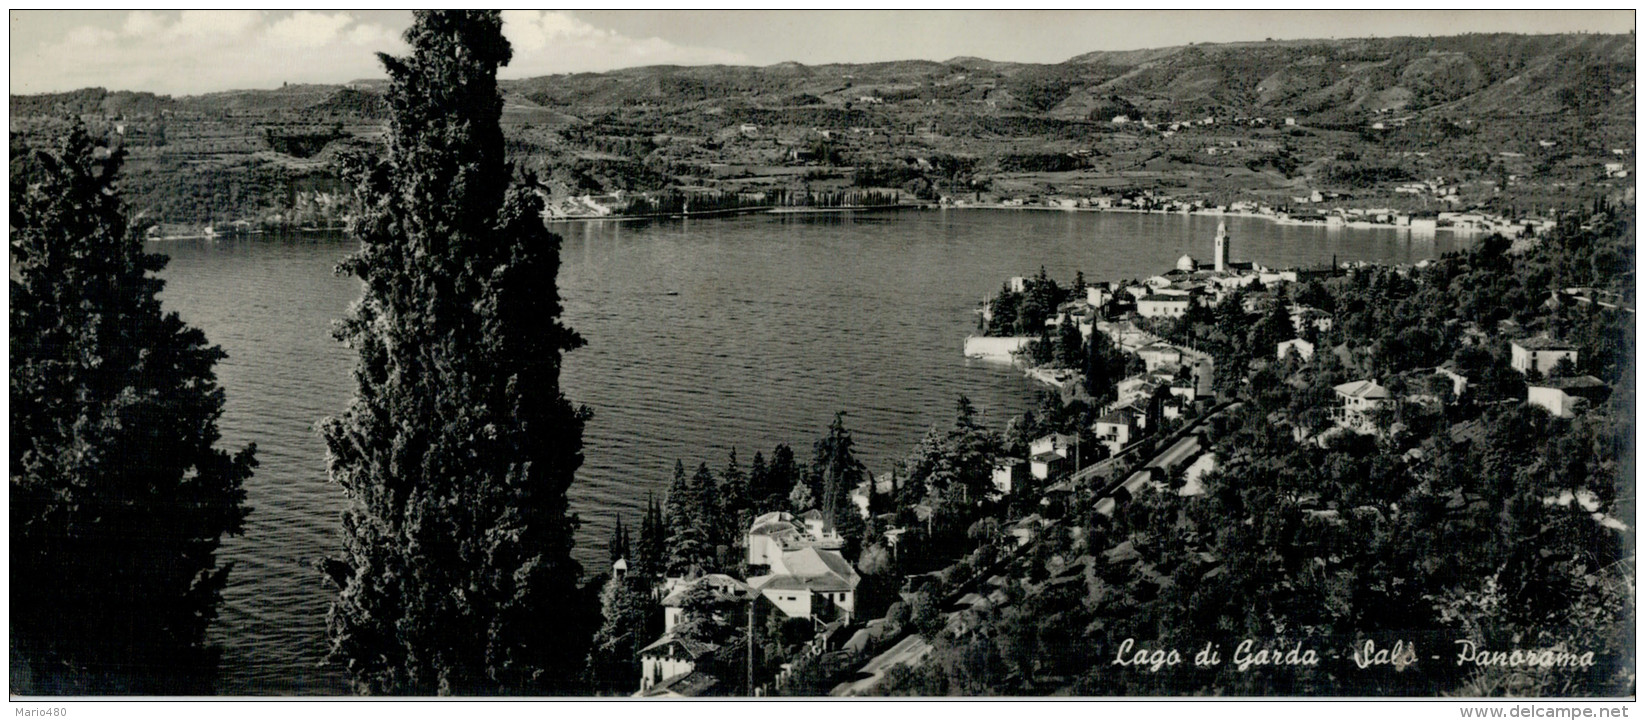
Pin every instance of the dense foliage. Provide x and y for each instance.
(119, 495)
(1024, 312)
(459, 448)
(1471, 522)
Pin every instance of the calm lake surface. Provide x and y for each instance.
(703, 335)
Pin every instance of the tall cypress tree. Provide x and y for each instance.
(781, 476)
(457, 452)
(836, 473)
(119, 495)
(705, 493)
(618, 546)
(678, 503)
(649, 555)
(631, 618)
(689, 545)
(734, 502)
(758, 482)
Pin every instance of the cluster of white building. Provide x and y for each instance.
(1361, 402)
(803, 576)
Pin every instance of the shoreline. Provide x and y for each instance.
(1276, 220)
(209, 234)
(770, 210)
(804, 210)
(755, 210)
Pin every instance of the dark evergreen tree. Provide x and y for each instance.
(836, 472)
(1104, 368)
(677, 505)
(781, 475)
(689, 546)
(459, 447)
(735, 506)
(618, 546)
(806, 493)
(1002, 312)
(705, 494)
(759, 484)
(632, 618)
(119, 495)
(973, 449)
(1274, 328)
(784, 477)
(650, 556)
(1070, 344)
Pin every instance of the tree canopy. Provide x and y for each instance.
(120, 496)
(459, 447)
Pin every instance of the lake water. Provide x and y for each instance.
(703, 335)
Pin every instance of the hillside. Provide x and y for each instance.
(1513, 118)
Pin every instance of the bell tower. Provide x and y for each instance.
(1221, 256)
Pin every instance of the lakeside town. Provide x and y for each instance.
(449, 370)
(1150, 409)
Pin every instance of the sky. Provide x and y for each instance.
(199, 51)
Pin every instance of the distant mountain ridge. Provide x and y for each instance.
(1327, 80)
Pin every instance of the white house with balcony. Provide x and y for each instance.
(1157, 356)
(1357, 404)
(1303, 316)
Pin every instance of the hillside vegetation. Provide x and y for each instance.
(1519, 120)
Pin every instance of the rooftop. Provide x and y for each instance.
(1543, 342)
(1367, 389)
(696, 649)
(719, 581)
(813, 562)
(693, 683)
(822, 584)
(1119, 417)
(1576, 383)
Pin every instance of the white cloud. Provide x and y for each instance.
(532, 30)
(196, 52)
(217, 25)
(83, 37)
(547, 42)
(143, 23)
(305, 29)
